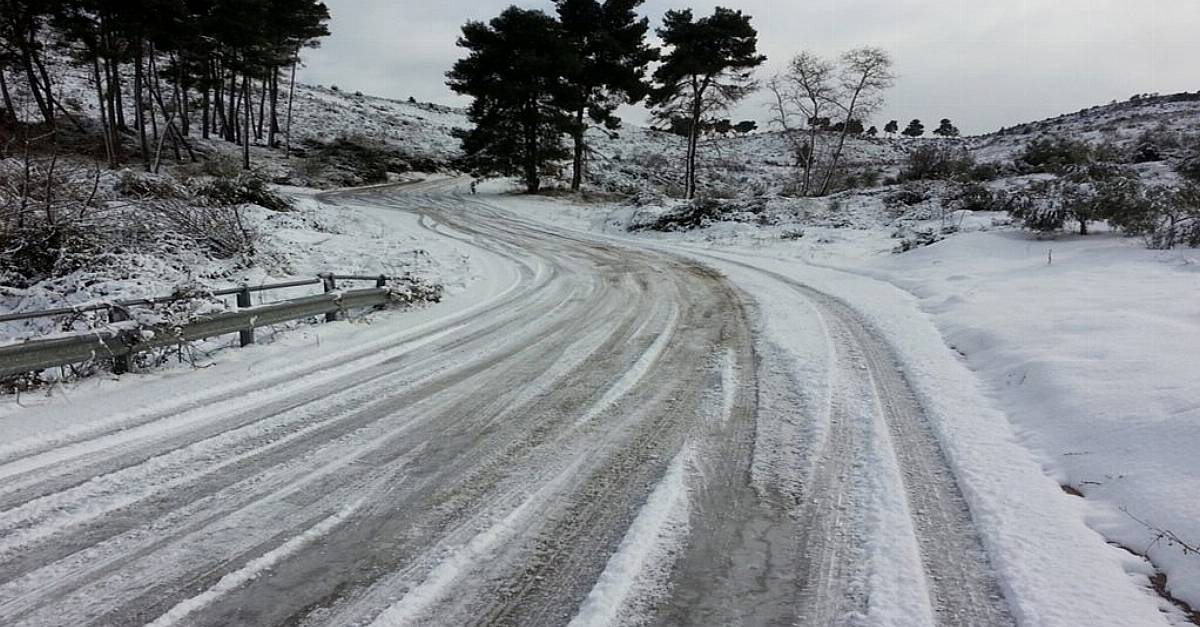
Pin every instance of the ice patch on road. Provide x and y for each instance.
(637, 572)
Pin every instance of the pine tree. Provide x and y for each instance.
(514, 70)
(946, 129)
(708, 68)
(608, 67)
(745, 127)
(162, 50)
(872, 132)
(915, 129)
(891, 128)
(22, 43)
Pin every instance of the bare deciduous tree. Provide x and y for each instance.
(866, 74)
(813, 90)
(804, 94)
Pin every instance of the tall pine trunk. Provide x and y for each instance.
(139, 115)
(48, 86)
(172, 130)
(533, 179)
(291, 99)
(273, 127)
(114, 126)
(10, 114)
(120, 100)
(246, 117)
(693, 144)
(262, 111)
(231, 118)
(577, 165)
(205, 108)
(185, 107)
(101, 102)
(35, 87)
(219, 120)
(112, 111)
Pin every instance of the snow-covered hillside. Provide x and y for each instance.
(1171, 120)
(419, 130)
(136, 235)
(635, 160)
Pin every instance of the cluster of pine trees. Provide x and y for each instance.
(916, 128)
(535, 78)
(221, 59)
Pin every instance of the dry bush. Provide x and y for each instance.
(48, 210)
(222, 230)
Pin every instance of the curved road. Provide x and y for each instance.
(581, 448)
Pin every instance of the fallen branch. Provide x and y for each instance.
(1165, 535)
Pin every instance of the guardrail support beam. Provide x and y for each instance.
(245, 336)
(329, 284)
(121, 363)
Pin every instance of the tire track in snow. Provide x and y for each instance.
(962, 587)
(253, 569)
(580, 344)
(639, 568)
(464, 430)
(172, 469)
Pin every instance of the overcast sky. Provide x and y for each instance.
(983, 63)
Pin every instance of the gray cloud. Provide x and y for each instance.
(983, 63)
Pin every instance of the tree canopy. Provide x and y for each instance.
(515, 72)
(946, 128)
(914, 129)
(215, 47)
(607, 65)
(709, 66)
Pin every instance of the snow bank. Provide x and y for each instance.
(1094, 358)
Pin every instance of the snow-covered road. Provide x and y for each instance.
(601, 433)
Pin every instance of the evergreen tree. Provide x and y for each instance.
(745, 127)
(608, 66)
(915, 129)
(22, 43)
(872, 132)
(708, 68)
(946, 129)
(514, 70)
(891, 128)
(163, 49)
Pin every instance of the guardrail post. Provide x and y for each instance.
(121, 363)
(246, 336)
(330, 285)
(381, 283)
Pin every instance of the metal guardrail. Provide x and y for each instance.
(125, 339)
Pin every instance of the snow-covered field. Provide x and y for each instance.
(1081, 351)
